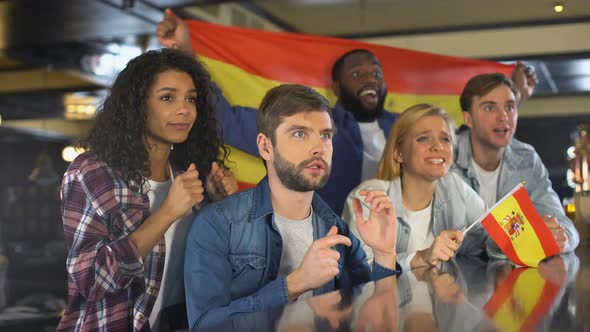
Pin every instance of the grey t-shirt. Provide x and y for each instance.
(297, 237)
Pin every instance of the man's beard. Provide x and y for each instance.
(292, 176)
(352, 103)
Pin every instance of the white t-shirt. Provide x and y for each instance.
(488, 183)
(172, 286)
(421, 236)
(297, 237)
(373, 146)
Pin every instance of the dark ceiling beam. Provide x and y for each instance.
(59, 21)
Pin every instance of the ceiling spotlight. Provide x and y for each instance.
(558, 7)
(69, 153)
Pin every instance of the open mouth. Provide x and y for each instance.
(369, 95)
(501, 131)
(369, 92)
(436, 161)
(317, 165)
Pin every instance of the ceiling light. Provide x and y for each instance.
(80, 106)
(69, 153)
(558, 7)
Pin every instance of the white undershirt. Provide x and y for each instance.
(373, 146)
(421, 234)
(172, 286)
(488, 183)
(297, 237)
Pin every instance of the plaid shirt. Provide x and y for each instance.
(110, 286)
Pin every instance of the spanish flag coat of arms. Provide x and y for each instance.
(518, 229)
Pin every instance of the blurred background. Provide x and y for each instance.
(58, 56)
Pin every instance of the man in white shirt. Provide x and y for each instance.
(493, 162)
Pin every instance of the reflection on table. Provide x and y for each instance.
(465, 294)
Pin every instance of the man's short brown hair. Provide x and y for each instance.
(481, 85)
(286, 100)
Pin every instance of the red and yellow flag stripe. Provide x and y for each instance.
(246, 63)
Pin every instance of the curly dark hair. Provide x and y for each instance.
(118, 134)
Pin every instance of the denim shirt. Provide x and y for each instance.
(520, 162)
(233, 253)
(455, 206)
(239, 130)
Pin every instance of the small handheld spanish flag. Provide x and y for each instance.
(518, 229)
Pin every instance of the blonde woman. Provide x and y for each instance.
(432, 205)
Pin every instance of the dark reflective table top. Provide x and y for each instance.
(466, 294)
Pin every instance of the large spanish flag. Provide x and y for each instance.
(246, 63)
(521, 301)
(518, 229)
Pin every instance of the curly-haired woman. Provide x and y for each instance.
(127, 202)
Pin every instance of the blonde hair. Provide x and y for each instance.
(389, 168)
